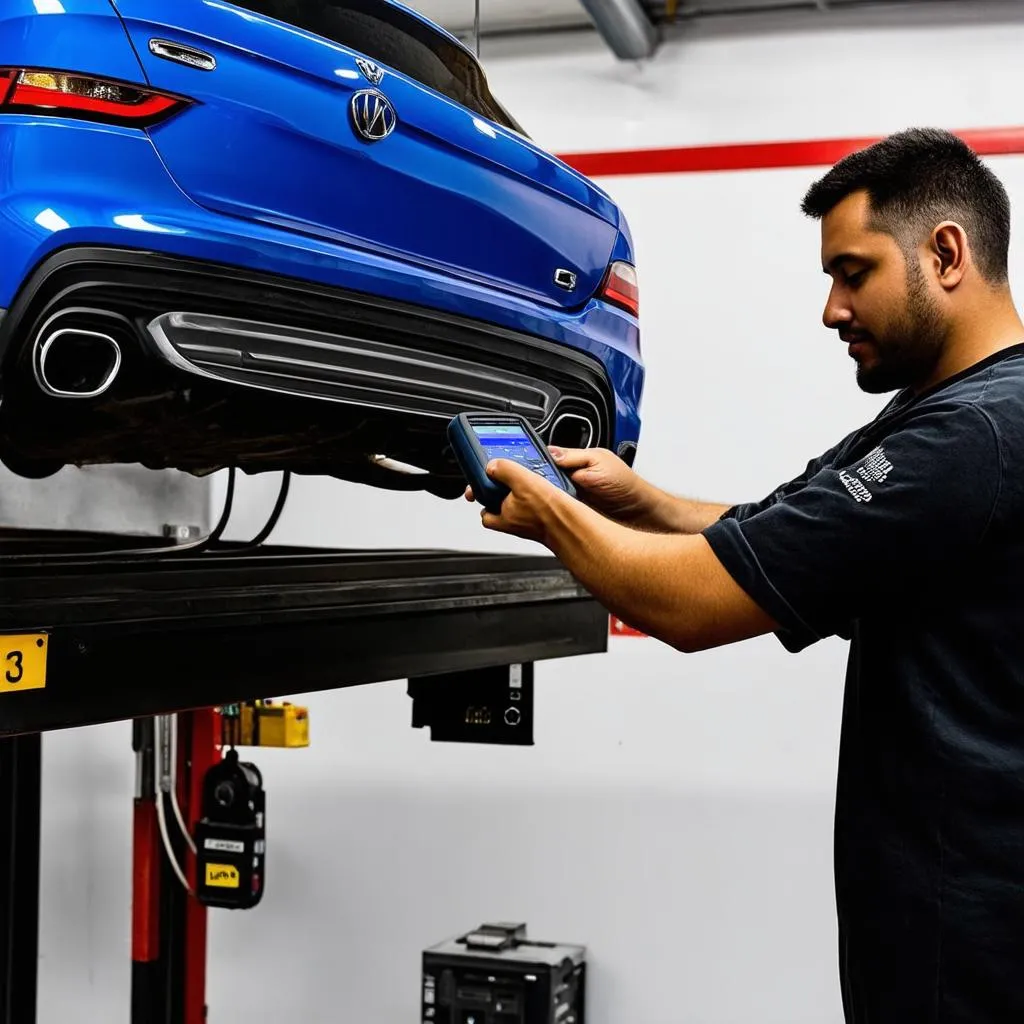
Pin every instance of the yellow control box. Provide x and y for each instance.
(262, 724)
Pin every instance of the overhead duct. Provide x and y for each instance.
(625, 27)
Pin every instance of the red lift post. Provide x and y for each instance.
(169, 926)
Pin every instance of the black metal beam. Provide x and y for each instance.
(130, 638)
(20, 779)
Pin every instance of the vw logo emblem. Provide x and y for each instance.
(373, 116)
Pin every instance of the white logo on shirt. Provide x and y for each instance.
(876, 467)
(854, 486)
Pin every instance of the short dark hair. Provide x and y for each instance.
(916, 179)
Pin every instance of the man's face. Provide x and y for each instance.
(881, 306)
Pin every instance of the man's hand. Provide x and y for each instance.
(525, 512)
(605, 483)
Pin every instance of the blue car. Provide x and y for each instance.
(289, 234)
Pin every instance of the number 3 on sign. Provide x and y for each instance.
(16, 674)
(23, 662)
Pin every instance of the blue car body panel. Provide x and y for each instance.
(447, 190)
(263, 171)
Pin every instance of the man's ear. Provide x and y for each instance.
(947, 249)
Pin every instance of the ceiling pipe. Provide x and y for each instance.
(624, 26)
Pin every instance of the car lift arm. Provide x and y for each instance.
(214, 629)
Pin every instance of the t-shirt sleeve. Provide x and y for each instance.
(823, 554)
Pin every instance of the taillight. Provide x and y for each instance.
(81, 96)
(6, 83)
(622, 287)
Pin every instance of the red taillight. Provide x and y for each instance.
(55, 92)
(622, 287)
(6, 83)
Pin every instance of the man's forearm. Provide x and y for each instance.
(667, 585)
(666, 513)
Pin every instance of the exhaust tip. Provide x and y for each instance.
(76, 363)
(572, 430)
(627, 452)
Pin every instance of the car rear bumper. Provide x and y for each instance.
(299, 340)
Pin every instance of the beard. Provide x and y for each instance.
(909, 349)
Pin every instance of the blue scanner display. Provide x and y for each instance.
(511, 442)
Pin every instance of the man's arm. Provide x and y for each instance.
(669, 513)
(670, 586)
(607, 484)
(815, 557)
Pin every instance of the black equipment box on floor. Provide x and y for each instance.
(495, 975)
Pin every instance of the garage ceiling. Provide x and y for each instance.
(503, 16)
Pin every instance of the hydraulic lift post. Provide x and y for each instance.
(202, 752)
(147, 878)
(20, 782)
(169, 927)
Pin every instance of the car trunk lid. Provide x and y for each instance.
(302, 121)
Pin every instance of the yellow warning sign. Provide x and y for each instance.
(22, 662)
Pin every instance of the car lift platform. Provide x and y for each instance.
(146, 635)
(133, 634)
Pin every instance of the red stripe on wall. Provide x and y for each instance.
(746, 156)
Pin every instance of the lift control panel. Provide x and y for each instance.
(231, 836)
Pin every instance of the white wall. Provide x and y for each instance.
(675, 814)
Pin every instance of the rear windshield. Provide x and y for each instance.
(390, 36)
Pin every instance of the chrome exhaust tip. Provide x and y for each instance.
(73, 362)
(572, 430)
(627, 452)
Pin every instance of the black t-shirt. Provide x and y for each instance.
(908, 539)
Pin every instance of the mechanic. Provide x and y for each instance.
(906, 538)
